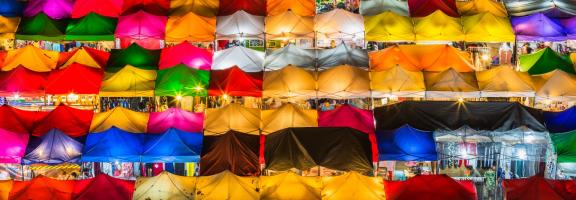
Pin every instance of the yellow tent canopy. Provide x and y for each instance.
(207, 8)
(398, 81)
(5, 187)
(556, 84)
(438, 27)
(352, 185)
(289, 25)
(486, 27)
(299, 7)
(232, 117)
(473, 7)
(122, 118)
(129, 82)
(287, 186)
(434, 58)
(573, 57)
(227, 185)
(389, 26)
(32, 58)
(190, 27)
(503, 81)
(81, 56)
(290, 81)
(451, 84)
(343, 81)
(165, 186)
(8, 26)
(288, 116)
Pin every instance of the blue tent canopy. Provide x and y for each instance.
(113, 145)
(10, 8)
(406, 144)
(54, 147)
(560, 122)
(172, 146)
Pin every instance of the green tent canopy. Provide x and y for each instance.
(41, 27)
(134, 55)
(544, 61)
(181, 80)
(565, 145)
(92, 27)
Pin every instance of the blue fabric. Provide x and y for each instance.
(561, 122)
(173, 146)
(55, 147)
(10, 8)
(113, 145)
(406, 144)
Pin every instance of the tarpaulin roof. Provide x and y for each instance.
(352, 185)
(165, 186)
(113, 145)
(406, 144)
(187, 54)
(155, 7)
(129, 82)
(74, 122)
(422, 187)
(538, 27)
(474, 7)
(175, 118)
(504, 81)
(207, 8)
(422, 8)
(55, 9)
(290, 81)
(450, 83)
(564, 144)
(190, 27)
(232, 117)
(141, 25)
(13, 145)
(304, 148)
(537, 187)
(421, 58)
(352, 82)
(288, 185)
(240, 25)
(5, 187)
(41, 27)
(397, 81)
(122, 118)
(287, 116)
(227, 185)
(249, 60)
(375, 7)
(389, 26)
(300, 7)
(10, 8)
(289, 25)
(76, 79)
(235, 82)
(108, 8)
(22, 82)
(182, 80)
(290, 55)
(233, 151)
(560, 122)
(438, 27)
(445, 115)
(42, 187)
(569, 26)
(545, 60)
(527, 7)
(54, 147)
(347, 116)
(84, 55)
(92, 27)
(134, 55)
(172, 146)
(8, 26)
(555, 84)
(486, 27)
(339, 23)
(103, 187)
(254, 7)
(342, 55)
(32, 58)
(19, 121)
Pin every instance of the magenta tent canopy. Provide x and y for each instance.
(55, 9)
(13, 146)
(160, 122)
(141, 25)
(347, 116)
(187, 54)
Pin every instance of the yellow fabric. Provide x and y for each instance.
(122, 118)
(32, 58)
(389, 26)
(288, 26)
(226, 185)
(82, 57)
(555, 84)
(5, 187)
(129, 82)
(433, 58)
(288, 116)
(8, 26)
(352, 185)
(344, 81)
(438, 27)
(288, 186)
(190, 27)
(451, 84)
(397, 81)
(504, 79)
(165, 186)
(473, 7)
(290, 81)
(232, 117)
(207, 8)
(300, 7)
(573, 57)
(486, 27)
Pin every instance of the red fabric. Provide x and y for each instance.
(187, 54)
(72, 121)
(3, 55)
(156, 7)
(428, 187)
(423, 8)
(537, 187)
(108, 8)
(103, 187)
(235, 82)
(101, 57)
(42, 188)
(254, 7)
(23, 82)
(76, 78)
(16, 120)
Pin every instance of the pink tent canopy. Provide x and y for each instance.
(141, 25)
(175, 118)
(13, 146)
(187, 54)
(55, 9)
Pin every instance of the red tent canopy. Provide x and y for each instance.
(423, 8)
(98, 56)
(108, 8)
(23, 82)
(72, 121)
(537, 187)
(103, 187)
(42, 188)
(16, 120)
(235, 82)
(76, 78)
(424, 187)
(254, 7)
(155, 7)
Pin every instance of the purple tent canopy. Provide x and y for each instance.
(569, 25)
(538, 27)
(55, 9)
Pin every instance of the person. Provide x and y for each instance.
(490, 182)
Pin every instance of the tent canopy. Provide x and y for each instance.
(121, 118)
(141, 25)
(30, 57)
(22, 82)
(103, 187)
(342, 55)
(290, 55)
(438, 26)
(339, 23)
(85, 56)
(375, 7)
(165, 186)
(545, 60)
(556, 84)
(190, 27)
(240, 25)
(92, 27)
(288, 185)
(491, 83)
(235, 82)
(527, 7)
(232, 117)
(75, 79)
(352, 185)
(352, 82)
(474, 7)
(537, 187)
(187, 54)
(155, 7)
(74, 122)
(564, 146)
(10, 8)
(485, 27)
(55, 9)
(54, 147)
(225, 185)
(302, 8)
(397, 81)
(207, 8)
(422, 8)
(347, 116)
(450, 83)
(389, 26)
(41, 27)
(569, 26)
(13, 146)
(175, 118)
(134, 55)
(113, 145)
(5, 187)
(434, 58)
(129, 82)
(233, 151)
(42, 187)
(560, 122)
(172, 146)
(181, 80)
(420, 186)
(107, 8)
(406, 144)
(248, 60)
(538, 27)
(20, 121)
(254, 7)
(287, 116)
(8, 27)
(289, 25)
(290, 81)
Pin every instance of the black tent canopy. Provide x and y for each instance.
(233, 151)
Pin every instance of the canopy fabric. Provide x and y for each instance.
(545, 60)
(206, 8)
(527, 7)
(347, 116)
(389, 26)
(246, 59)
(437, 186)
(492, 84)
(141, 25)
(75, 79)
(129, 82)
(54, 147)
(538, 27)
(103, 187)
(232, 117)
(304, 148)
(55, 9)
(22, 82)
(8, 27)
(11, 8)
(564, 146)
(226, 185)
(444, 115)
(233, 151)
(438, 26)
(13, 146)
(474, 7)
(287, 116)
(122, 118)
(288, 185)
(183, 81)
(113, 145)
(290, 81)
(537, 187)
(406, 144)
(172, 146)
(423, 8)
(352, 185)
(450, 83)
(254, 7)
(352, 82)
(485, 27)
(569, 26)
(556, 84)
(165, 186)
(107, 8)
(302, 7)
(289, 25)
(74, 122)
(92, 27)
(190, 27)
(235, 82)
(397, 81)
(134, 55)
(19, 121)
(41, 27)
(85, 56)
(187, 54)
(5, 186)
(339, 23)
(240, 25)
(44, 61)
(175, 118)
(560, 122)
(342, 55)
(375, 7)
(290, 55)
(42, 187)
(155, 7)
(434, 58)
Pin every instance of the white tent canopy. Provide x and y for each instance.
(342, 55)
(248, 60)
(289, 26)
(339, 23)
(375, 7)
(240, 25)
(290, 55)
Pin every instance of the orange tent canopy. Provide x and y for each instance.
(42, 188)
(433, 58)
